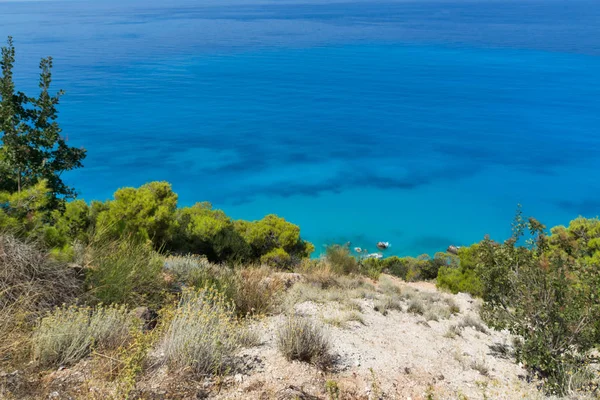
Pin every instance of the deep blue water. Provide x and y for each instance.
(422, 123)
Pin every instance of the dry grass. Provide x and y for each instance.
(472, 322)
(253, 289)
(318, 272)
(31, 283)
(203, 334)
(387, 286)
(257, 291)
(480, 366)
(387, 303)
(342, 320)
(452, 332)
(416, 306)
(302, 339)
(68, 334)
(437, 312)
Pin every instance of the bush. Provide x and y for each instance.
(27, 271)
(302, 339)
(547, 293)
(253, 290)
(144, 213)
(256, 291)
(340, 259)
(31, 283)
(386, 304)
(126, 272)
(68, 334)
(396, 266)
(277, 258)
(416, 306)
(273, 232)
(204, 230)
(462, 278)
(203, 334)
(198, 272)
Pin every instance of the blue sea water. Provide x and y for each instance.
(422, 123)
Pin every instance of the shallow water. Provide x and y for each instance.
(420, 123)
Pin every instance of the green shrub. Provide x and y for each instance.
(68, 334)
(144, 213)
(272, 233)
(203, 334)
(125, 271)
(204, 230)
(396, 266)
(457, 280)
(277, 258)
(462, 277)
(301, 339)
(547, 293)
(340, 259)
(371, 268)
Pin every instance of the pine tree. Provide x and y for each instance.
(32, 146)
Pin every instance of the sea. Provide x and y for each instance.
(423, 123)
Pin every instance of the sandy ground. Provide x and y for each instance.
(397, 356)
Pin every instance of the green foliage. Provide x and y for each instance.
(340, 259)
(547, 293)
(333, 390)
(396, 266)
(272, 233)
(125, 271)
(462, 277)
(25, 211)
(146, 213)
(203, 230)
(32, 146)
(278, 258)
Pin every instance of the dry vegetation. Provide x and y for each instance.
(255, 332)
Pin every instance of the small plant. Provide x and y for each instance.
(340, 259)
(429, 392)
(256, 291)
(341, 321)
(67, 334)
(416, 307)
(386, 304)
(389, 287)
(203, 334)
(375, 387)
(480, 366)
(470, 321)
(453, 332)
(302, 339)
(452, 306)
(125, 271)
(332, 389)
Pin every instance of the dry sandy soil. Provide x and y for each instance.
(399, 355)
(425, 345)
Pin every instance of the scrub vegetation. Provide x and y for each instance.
(138, 283)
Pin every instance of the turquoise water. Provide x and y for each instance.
(419, 123)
